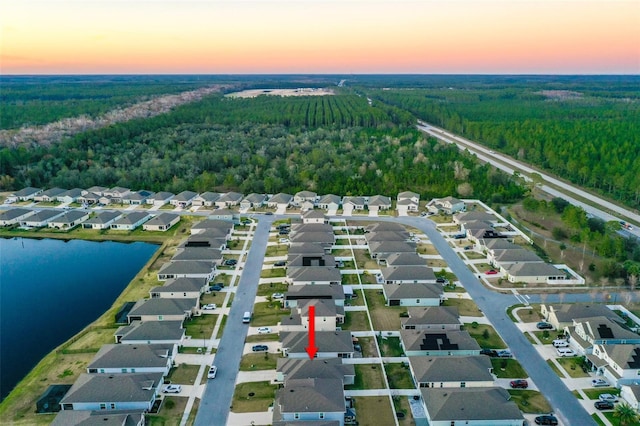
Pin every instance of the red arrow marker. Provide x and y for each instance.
(311, 349)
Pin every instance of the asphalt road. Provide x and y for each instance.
(509, 165)
(218, 395)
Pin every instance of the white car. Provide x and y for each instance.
(599, 383)
(284, 241)
(212, 372)
(276, 296)
(608, 397)
(172, 389)
(210, 307)
(264, 330)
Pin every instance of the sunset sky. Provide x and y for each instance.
(312, 36)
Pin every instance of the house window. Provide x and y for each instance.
(160, 317)
(102, 370)
(184, 294)
(321, 415)
(296, 416)
(93, 370)
(463, 385)
(67, 406)
(103, 406)
(417, 300)
(123, 370)
(112, 406)
(133, 370)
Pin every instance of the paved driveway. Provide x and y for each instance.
(218, 395)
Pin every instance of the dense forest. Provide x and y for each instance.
(333, 144)
(582, 132)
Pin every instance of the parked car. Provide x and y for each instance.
(468, 247)
(441, 280)
(519, 384)
(209, 307)
(264, 330)
(276, 296)
(260, 348)
(489, 352)
(215, 287)
(608, 397)
(546, 420)
(565, 352)
(505, 354)
(172, 389)
(283, 232)
(423, 214)
(459, 236)
(212, 372)
(599, 383)
(280, 263)
(247, 222)
(603, 405)
(542, 325)
(230, 262)
(284, 241)
(491, 272)
(269, 213)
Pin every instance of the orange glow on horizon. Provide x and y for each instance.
(311, 36)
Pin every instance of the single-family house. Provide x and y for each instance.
(385, 227)
(49, 195)
(69, 196)
(105, 392)
(98, 190)
(447, 205)
(163, 309)
(405, 259)
(280, 200)
(302, 293)
(25, 194)
(383, 249)
(130, 221)
(105, 200)
(137, 198)
(438, 343)
(180, 288)
(204, 240)
(85, 418)
(206, 199)
(313, 399)
(89, 198)
(331, 344)
(183, 199)
(420, 294)
(315, 216)
(311, 275)
(501, 258)
(102, 220)
(408, 195)
(353, 203)
(494, 244)
(432, 318)
(310, 249)
(69, 220)
(451, 371)
(151, 332)
(470, 406)
(327, 316)
(119, 359)
(562, 315)
(588, 332)
(405, 206)
(619, 364)
(329, 368)
(253, 200)
(116, 193)
(229, 199)
(41, 219)
(325, 239)
(159, 199)
(537, 272)
(386, 236)
(14, 216)
(214, 228)
(225, 215)
(631, 394)
(408, 274)
(206, 254)
(379, 202)
(478, 216)
(187, 269)
(162, 222)
(300, 197)
(329, 202)
(298, 228)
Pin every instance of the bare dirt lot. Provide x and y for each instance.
(281, 92)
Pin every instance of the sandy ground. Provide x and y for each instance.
(281, 92)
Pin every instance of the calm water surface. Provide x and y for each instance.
(51, 289)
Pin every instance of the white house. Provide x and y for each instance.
(438, 343)
(329, 202)
(187, 269)
(631, 394)
(150, 332)
(162, 222)
(181, 288)
(102, 220)
(619, 364)
(280, 200)
(163, 309)
(160, 199)
(451, 371)
(14, 216)
(413, 294)
(41, 219)
(331, 344)
(130, 221)
(69, 220)
(118, 359)
(314, 216)
(183, 199)
(379, 202)
(302, 196)
(311, 400)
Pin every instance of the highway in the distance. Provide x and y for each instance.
(509, 165)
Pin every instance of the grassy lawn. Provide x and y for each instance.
(529, 315)
(170, 412)
(92, 340)
(373, 411)
(512, 368)
(213, 297)
(184, 374)
(576, 394)
(429, 249)
(223, 322)
(384, 318)
(401, 405)
(492, 340)
(596, 419)
(556, 369)
(263, 396)
(530, 338)
(550, 336)
(273, 273)
(368, 376)
(258, 361)
(269, 289)
(358, 301)
(466, 307)
(399, 376)
(350, 279)
(194, 410)
(356, 321)
(390, 347)
(200, 327)
(595, 393)
(267, 313)
(256, 338)
(452, 288)
(573, 366)
(369, 349)
(277, 250)
(530, 401)
(363, 260)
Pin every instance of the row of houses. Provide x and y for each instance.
(69, 219)
(306, 200)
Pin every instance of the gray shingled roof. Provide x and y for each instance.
(186, 267)
(162, 196)
(314, 273)
(391, 247)
(71, 216)
(98, 418)
(43, 215)
(162, 219)
(432, 315)
(209, 196)
(313, 237)
(413, 291)
(185, 196)
(126, 387)
(230, 196)
(333, 291)
(25, 192)
(301, 259)
(473, 368)
(603, 328)
(407, 273)
(180, 285)
(326, 341)
(214, 224)
(281, 198)
(538, 269)
(386, 236)
(132, 356)
(151, 331)
(519, 255)
(459, 404)
(131, 218)
(407, 194)
(306, 194)
(52, 193)
(356, 201)
(442, 340)
(311, 227)
(499, 244)
(162, 306)
(197, 253)
(569, 311)
(255, 198)
(380, 200)
(330, 198)
(626, 356)
(103, 217)
(385, 226)
(476, 216)
(327, 368)
(405, 259)
(306, 248)
(311, 396)
(13, 213)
